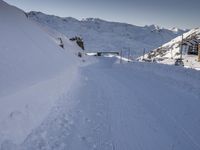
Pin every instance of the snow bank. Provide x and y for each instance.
(35, 71)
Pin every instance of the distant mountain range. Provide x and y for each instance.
(108, 36)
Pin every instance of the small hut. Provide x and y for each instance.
(191, 46)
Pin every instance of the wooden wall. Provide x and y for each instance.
(199, 53)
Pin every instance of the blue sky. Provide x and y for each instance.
(166, 13)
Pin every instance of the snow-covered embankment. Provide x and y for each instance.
(34, 72)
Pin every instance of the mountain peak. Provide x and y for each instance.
(91, 19)
(154, 27)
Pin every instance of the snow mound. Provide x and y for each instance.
(34, 73)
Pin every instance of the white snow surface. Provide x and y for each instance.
(136, 106)
(49, 100)
(100, 35)
(34, 72)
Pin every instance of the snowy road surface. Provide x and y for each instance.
(124, 107)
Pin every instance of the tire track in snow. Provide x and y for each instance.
(112, 111)
(148, 101)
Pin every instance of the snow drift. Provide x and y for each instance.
(34, 71)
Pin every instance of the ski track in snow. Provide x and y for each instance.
(115, 107)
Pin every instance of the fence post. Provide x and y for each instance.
(120, 56)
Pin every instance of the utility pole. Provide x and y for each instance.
(120, 56)
(144, 51)
(171, 54)
(129, 53)
(181, 48)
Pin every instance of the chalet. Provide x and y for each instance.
(199, 53)
(191, 46)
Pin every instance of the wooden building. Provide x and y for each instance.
(192, 46)
(199, 52)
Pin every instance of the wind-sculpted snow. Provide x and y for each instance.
(34, 72)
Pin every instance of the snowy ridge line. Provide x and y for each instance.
(50, 31)
(69, 46)
(103, 35)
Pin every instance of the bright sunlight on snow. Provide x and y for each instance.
(55, 96)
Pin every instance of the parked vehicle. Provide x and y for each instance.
(179, 62)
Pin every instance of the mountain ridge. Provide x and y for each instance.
(103, 35)
(155, 26)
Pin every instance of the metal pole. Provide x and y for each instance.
(143, 53)
(171, 54)
(181, 48)
(120, 56)
(129, 53)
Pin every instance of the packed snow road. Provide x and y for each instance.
(124, 107)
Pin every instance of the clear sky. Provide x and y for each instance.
(166, 13)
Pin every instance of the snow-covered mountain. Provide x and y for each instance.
(52, 100)
(108, 36)
(177, 30)
(34, 71)
(171, 51)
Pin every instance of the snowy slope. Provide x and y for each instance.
(108, 36)
(34, 73)
(135, 106)
(48, 101)
(170, 51)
